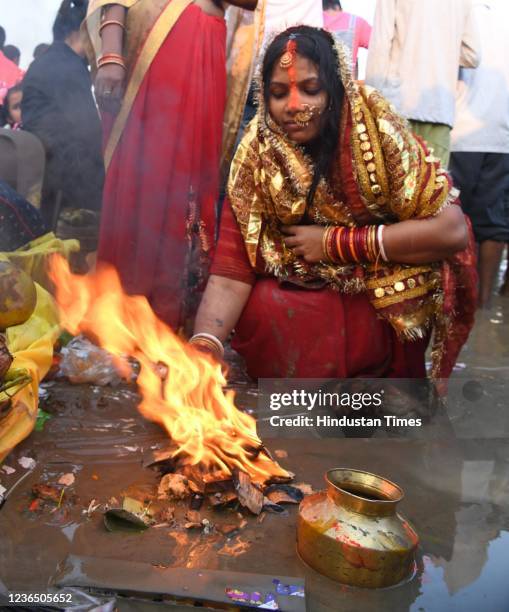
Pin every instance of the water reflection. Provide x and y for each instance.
(457, 493)
(489, 591)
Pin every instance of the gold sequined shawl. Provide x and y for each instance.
(383, 175)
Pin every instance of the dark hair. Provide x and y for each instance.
(11, 52)
(317, 46)
(40, 50)
(69, 18)
(5, 110)
(331, 4)
(2, 38)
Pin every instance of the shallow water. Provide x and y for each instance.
(456, 496)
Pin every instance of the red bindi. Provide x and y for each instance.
(287, 62)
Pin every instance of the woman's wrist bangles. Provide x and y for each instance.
(111, 58)
(209, 344)
(110, 22)
(353, 244)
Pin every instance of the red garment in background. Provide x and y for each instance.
(167, 161)
(353, 30)
(10, 75)
(291, 332)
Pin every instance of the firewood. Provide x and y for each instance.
(175, 486)
(163, 461)
(249, 496)
(284, 494)
(192, 516)
(222, 498)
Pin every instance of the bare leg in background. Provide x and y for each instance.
(490, 255)
(504, 289)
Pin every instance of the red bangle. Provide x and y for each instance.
(330, 244)
(111, 58)
(352, 246)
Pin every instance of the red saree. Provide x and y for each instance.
(290, 332)
(159, 220)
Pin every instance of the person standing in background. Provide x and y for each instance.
(480, 142)
(12, 53)
(10, 74)
(10, 112)
(58, 108)
(354, 31)
(414, 55)
(160, 80)
(282, 14)
(40, 50)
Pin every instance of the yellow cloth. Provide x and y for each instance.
(33, 256)
(31, 344)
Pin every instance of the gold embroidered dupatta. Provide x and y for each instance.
(383, 174)
(245, 34)
(148, 23)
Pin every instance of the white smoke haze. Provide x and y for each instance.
(29, 22)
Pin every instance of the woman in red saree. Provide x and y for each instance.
(342, 248)
(161, 84)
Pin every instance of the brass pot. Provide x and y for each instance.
(352, 533)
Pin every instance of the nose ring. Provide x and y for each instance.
(304, 116)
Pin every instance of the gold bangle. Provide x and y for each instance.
(109, 22)
(325, 237)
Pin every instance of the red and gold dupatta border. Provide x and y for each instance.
(161, 28)
(155, 39)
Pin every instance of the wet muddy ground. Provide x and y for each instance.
(456, 486)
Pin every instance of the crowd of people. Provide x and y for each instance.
(235, 171)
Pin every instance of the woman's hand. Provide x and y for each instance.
(109, 87)
(306, 241)
(110, 78)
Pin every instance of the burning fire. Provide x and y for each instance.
(189, 402)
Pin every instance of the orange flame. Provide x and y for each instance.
(190, 403)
